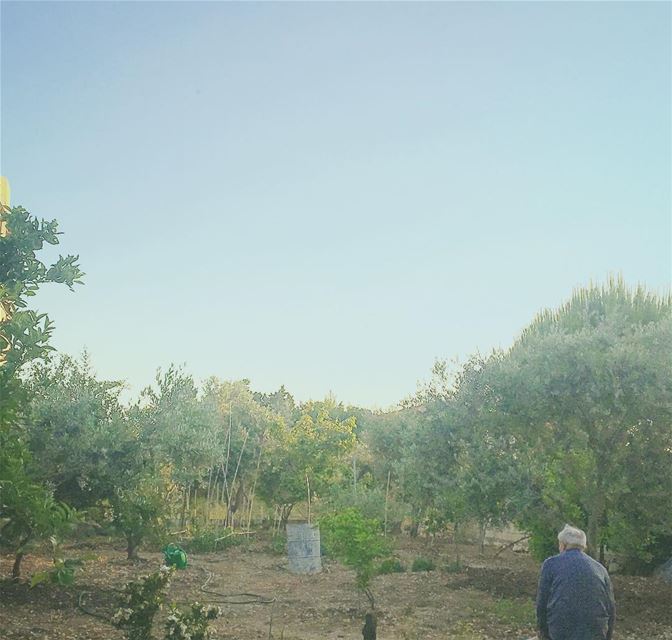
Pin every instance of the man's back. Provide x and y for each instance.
(575, 599)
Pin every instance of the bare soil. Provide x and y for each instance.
(490, 599)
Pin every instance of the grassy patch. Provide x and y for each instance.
(453, 567)
(212, 539)
(423, 564)
(465, 630)
(390, 565)
(510, 611)
(506, 612)
(277, 545)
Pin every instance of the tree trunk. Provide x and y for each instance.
(482, 530)
(284, 515)
(131, 547)
(595, 518)
(188, 505)
(183, 511)
(457, 546)
(193, 515)
(370, 625)
(207, 498)
(16, 568)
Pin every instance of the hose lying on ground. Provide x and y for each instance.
(233, 598)
(222, 598)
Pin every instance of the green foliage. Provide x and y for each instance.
(518, 612)
(139, 604)
(177, 426)
(25, 336)
(587, 396)
(368, 500)
(390, 565)
(637, 554)
(32, 514)
(594, 305)
(139, 510)
(209, 539)
(28, 509)
(314, 447)
(435, 521)
(356, 541)
(281, 403)
(423, 564)
(74, 430)
(278, 545)
(63, 571)
(141, 601)
(191, 624)
(570, 425)
(543, 541)
(453, 567)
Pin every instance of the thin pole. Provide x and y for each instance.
(254, 484)
(387, 495)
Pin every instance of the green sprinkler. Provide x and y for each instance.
(175, 556)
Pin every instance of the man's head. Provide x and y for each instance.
(571, 538)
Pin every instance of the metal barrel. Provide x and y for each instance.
(303, 548)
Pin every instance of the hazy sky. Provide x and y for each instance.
(332, 195)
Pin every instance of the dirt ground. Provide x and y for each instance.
(491, 599)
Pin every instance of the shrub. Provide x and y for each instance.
(391, 565)
(369, 500)
(423, 564)
(278, 545)
(63, 571)
(192, 624)
(543, 544)
(453, 567)
(209, 539)
(140, 602)
(355, 541)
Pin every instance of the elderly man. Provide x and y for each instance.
(575, 600)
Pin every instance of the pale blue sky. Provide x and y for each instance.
(330, 196)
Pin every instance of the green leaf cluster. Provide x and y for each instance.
(356, 541)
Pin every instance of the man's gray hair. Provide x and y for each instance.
(572, 537)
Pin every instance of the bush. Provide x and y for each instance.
(423, 564)
(354, 540)
(278, 545)
(140, 602)
(543, 543)
(390, 565)
(370, 501)
(453, 567)
(210, 539)
(63, 571)
(192, 624)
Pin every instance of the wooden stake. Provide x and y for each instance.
(387, 495)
